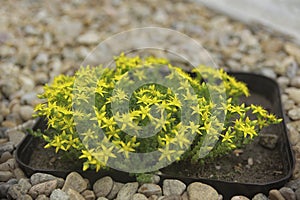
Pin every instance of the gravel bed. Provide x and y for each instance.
(42, 39)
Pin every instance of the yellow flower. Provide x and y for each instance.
(166, 153)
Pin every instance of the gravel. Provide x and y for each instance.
(41, 40)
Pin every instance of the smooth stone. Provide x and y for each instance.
(88, 195)
(3, 189)
(268, 140)
(16, 137)
(8, 146)
(26, 112)
(297, 193)
(185, 196)
(260, 196)
(127, 191)
(103, 186)
(30, 98)
(9, 165)
(200, 191)
(9, 87)
(275, 195)
(171, 186)
(102, 198)
(5, 156)
(18, 190)
(171, 197)
(41, 177)
(74, 195)
(19, 174)
(89, 38)
(295, 82)
(41, 78)
(294, 184)
(5, 176)
(294, 94)
(138, 196)
(293, 50)
(58, 194)
(287, 193)
(75, 181)
(115, 189)
(27, 83)
(283, 81)
(43, 188)
(268, 73)
(67, 29)
(149, 189)
(31, 30)
(294, 113)
(239, 198)
(42, 197)
(42, 59)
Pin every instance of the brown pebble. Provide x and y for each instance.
(275, 195)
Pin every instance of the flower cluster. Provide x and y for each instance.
(170, 118)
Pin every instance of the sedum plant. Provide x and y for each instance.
(155, 105)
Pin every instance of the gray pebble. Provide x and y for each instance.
(40, 178)
(26, 112)
(149, 189)
(239, 198)
(115, 189)
(260, 196)
(294, 113)
(103, 186)
(127, 191)
(75, 181)
(58, 194)
(5, 156)
(201, 191)
(138, 196)
(294, 184)
(5, 176)
(88, 195)
(42, 197)
(297, 193)
(16, 137)
(171, 186)
(287, 193)
(43, 188)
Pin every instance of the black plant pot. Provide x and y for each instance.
(259, 86)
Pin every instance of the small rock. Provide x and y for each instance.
(41, 78)
(24, 185)
(88, 195)
(5, 176)
(3, 189)
(31, 30)
(115, 189)
(260, 196)
(9, 147)
(88, 38)
(26, 83)
(297, 193)
(5, 156)
(74, 195)
(294, 94)
(127, 191)
(185, 196)
(41, 177)
(19, 173)
(149, 189)
(26, 112)
(103, 186)
(294, 113)
(199, 191)
(287, 193)
(75, 181)
(268, 73)
(9, 87)
(295, 82)
(138, 196)
(41, 59)
(275, 195)
(9, 165)
(43, 188)
(171, 197)
(283, 81)
(294, 184)
(268, 140)
(102, 198)
(58, 194)
(239, 198)
(292, 50)
(42, 197)
(173, 187)
(18, 190)
(30, 98)
(16, 137)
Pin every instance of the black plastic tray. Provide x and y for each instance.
(257, 84)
